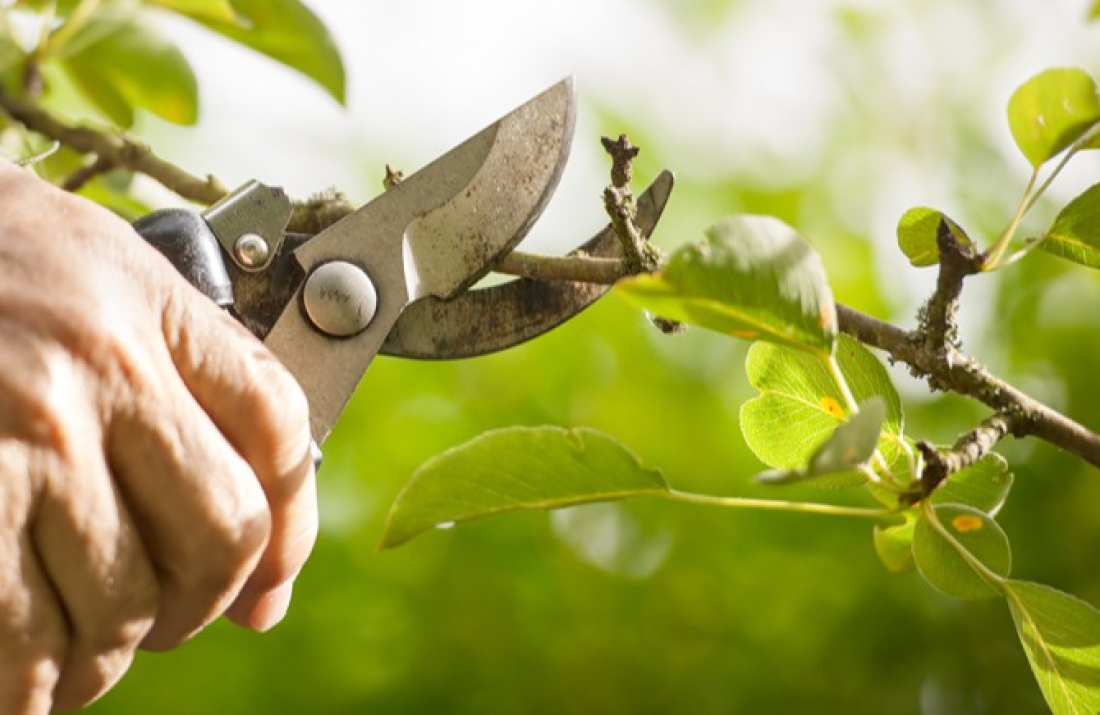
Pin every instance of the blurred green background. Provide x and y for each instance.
(835, 116)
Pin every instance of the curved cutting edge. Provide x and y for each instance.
(435, 233)
(490, 319)
(451, 247)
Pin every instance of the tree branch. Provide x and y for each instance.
(954, 372)
(113, 149)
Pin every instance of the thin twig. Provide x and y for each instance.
(958, 260)
(582, 269)
(86, 173)
(618, 200)
(967, 450)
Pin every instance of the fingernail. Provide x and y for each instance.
(271, 608)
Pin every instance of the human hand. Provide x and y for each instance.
(154, 456)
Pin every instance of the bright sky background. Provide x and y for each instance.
(752, 94)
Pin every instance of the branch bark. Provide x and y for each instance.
(955, 372)
(967, 450)
(113, 149)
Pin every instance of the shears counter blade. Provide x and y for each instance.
(485, 320)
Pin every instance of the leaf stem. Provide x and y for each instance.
(993, 258)
(77, 19)
(780, 505)
(833, 366)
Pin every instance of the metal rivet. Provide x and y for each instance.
(339, 299)
(251, 250)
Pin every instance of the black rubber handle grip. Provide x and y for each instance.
(185, 239)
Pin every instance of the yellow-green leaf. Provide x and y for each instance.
(212, 10)
(800, 406)
(851, 445)
(11, 52)
(518, 468)
(1052, 110)
(917, 235)
(1075, 233)
(286, 31)
(133, 65)
(894, 545)
(754, 278)
(1061, 636)
(947, 559)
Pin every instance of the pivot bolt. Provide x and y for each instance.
(251, 251)
(339, 299)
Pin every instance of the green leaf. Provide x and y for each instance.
(286, 31)
(917, 231)
(799, 405)
(76, 33)
(894, 545)
(983, 485)
(130, 66)
(1094, 11)
(117, 198)
(11, 52)
(940, 560)
(1075, 233)
(852, 444)
(211, 10)
(754, 278)
(1052, 110)
(100, 90)
(1061, 636)
(518, 468)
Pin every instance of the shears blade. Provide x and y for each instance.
(486, 320)
(434, 234)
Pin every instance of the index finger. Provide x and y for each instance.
(263, 414)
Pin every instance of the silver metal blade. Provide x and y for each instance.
(435, 233)
(482, 321)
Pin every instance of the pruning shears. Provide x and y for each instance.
(394, 276)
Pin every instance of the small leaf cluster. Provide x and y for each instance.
(826, 412)
(1053, 115)
(107, 61)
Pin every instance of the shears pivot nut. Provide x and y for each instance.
(251, 251)
(339, 299)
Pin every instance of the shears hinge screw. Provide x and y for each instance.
(251, 251)
(339, 299)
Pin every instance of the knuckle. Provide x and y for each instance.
(37, 384)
